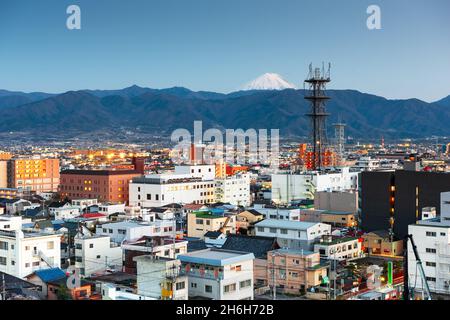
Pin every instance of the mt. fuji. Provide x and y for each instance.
(269, 81)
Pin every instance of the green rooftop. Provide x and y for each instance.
(206, 215)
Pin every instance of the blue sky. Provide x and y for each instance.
(220, 45)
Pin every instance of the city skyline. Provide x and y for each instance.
(216, 46)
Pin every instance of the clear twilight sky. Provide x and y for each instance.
(218, 45)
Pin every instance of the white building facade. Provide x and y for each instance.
(219, 274)
(94, 253)
(294, 187)
(234, 190)
(293, 234)
(432, 238)
(22, 253)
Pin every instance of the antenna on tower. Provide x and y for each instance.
(316, 82)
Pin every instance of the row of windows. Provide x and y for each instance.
(4, 260)
(433, 234)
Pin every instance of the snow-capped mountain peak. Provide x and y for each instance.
(269, 81)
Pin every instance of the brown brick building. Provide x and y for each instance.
(104, 185)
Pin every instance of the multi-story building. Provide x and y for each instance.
(341, 249)
(345, 201)
(40, 175)
(94, 253)
(293, 234)
(234, 190)
(166, 247)
(104, 185)
(200, 222)
(396, 198)
(109, 185)
(22, 253)
(3, 174)
(288, 188)
(338, 219)
(294, 271)
(132, 230)
(161, 278)
(219, 274)
(432, 238)
(382, 242)
(189, 184)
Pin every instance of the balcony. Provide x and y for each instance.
(206, 274)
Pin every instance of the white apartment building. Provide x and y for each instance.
(204, 171)
(432, 238)
(278, 213)
(341, 249)
(219, 274)
(22, 253)
(293, 234)
(294, 187)
(161, 189)
(94, 253)
(234, 190)
(160, 278)
(132, 230)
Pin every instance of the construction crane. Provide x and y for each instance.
(406, 292)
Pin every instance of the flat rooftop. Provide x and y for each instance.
(285, 224)
(216, 257)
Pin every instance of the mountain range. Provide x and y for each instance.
(163, 110)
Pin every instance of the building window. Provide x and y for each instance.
(208, 288)
(260, 229)
(229, 288)
(431, 264)
(443, 234)
(50, 245)
(149, 196)
(245, 284)
(431, 234)
(284, 231)
(430, 250)
(273, 230)
(193, 285)
(3, 245)
(122, 231)
(3, 261)
(431, 279)
(91, 245)
(36, 264)
(180, 285)
(199, 221)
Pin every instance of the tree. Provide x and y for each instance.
(63, 293)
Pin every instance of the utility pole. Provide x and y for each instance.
(274, 287)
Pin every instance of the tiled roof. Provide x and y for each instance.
(256, 245)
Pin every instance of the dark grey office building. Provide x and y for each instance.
(400, 195)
